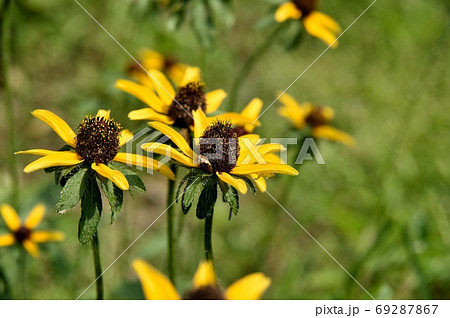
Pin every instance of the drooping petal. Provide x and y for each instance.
(31, 248)
(11, 217)
(144, 162)
(166, 150)
(250, 287)
(155, 285)
(163, 87)
(264, 168)
(314, 27)
(144, 94)
(62, 158)
(214, 99)
(239, 184)
(331, 133)
(7, 239)
(125, 136)
(114, 175)
(260, 183)
(35, 217)
(46, 236)
(175, 136)
(57, 124)
(200, 123)
(287, 11)
(327, 21)
(149, 114)
(191, 75)
(205, 275)
(103, 113)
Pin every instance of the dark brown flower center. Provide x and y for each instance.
(317, 117)
(98, 139)
(240, 131)
(189, 98)
(219, 148)
(306, 6)
(205, 293)
(22, 234)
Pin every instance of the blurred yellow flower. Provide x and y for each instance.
(24, 233)
(97, 143)
(240, 156)
(156, 286)
(316, 117)
(316, 23)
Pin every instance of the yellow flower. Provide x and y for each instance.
(316, 117)
(156, 286)
(24, 233)
(169, 106)
(316, 23)
(150, 60)
(97, 143)
(240, 156)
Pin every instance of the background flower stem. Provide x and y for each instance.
(250, 64)
(208, 236)
(5, 52)
(23, 273)
(170, 228)
(98, 266)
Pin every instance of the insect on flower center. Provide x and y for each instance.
(205, 293)
(98, 139)
(22, 234)
(189, 98)
(219, 148)
(306, 6)
(317, 117)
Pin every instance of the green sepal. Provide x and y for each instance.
(114, 196)
(72, 191)
(231, 196)
(207, 199)
(194, 185)
(91, 210)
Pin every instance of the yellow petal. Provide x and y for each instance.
(149, 114)
(39, 152)
(46, 236)
(155, 285)
(35, 217)
(264, 168)
(176, 73)
(163, 87)
(62, 158)
(287, 11)
(200, 123)
(114, 175)
(327, 21)
(191, 75)
(31, 248)
(144, 162)
(248, 141)
(175, 136)
(103, 113)
(257, 153)
(239, 184)
(151, 59)
(166, 150)
(125, 136)
(253, 109)
(327, 113)
(214, 99)
(235, 119)
(205, 275)
(7, 239)
(144, 94)
(250, 287)
(292, 110)
(315, 28)
(260, 183)
(57, 124)
(11, 217)
(331, 133)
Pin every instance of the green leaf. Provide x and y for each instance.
(72, 191)
(194, 185)
(182, 182)
(207, 199)
(91, 210)
(114, 196)
(231, 196)
(133, 179)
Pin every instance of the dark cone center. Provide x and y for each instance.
(189, 98)
(306, 6)
(317, 117)
(22, 234)
(205, 293)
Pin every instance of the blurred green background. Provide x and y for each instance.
(382, 209)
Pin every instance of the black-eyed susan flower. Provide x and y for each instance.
(156, 286)
(170, 106)
(149, 60)
(303, 115)
(87, 158)
(25, 233)
(316, 23)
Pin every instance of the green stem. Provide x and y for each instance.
(249, 65)
(170, 228)
(5, 53)
(208, 237)
(97, 266)
(23, 272)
